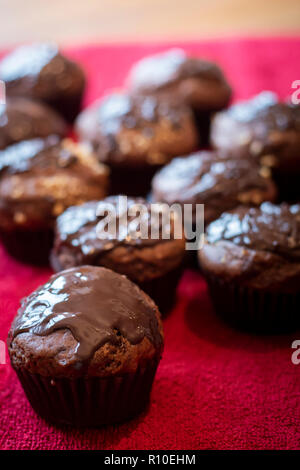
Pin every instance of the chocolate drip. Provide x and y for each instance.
(95, 304)
(269, 228)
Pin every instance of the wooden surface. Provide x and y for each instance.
(114, 20)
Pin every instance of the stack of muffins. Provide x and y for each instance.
(87, 344)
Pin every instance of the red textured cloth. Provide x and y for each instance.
(215, 388)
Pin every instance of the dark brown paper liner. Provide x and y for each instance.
(163, 289)
(132, 181)
(89, 401)
(254, 310)
(28, 246)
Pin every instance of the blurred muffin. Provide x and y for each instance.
(155, 264)
(39, 179)
(251, 260)
(173, 74)
(270, 132)
(135, 136)
(22, 119)
(86, 346)
(41, 72)
(216, 179)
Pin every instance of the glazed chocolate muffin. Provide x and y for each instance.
(251, 260)
(270, 132)
(82, 237)
(173, 74)
(216, 179)
(86, 346)
(22, 119)
(135, 136)
(41, 72)
(39, 179)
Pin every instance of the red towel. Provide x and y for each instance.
(215, 388)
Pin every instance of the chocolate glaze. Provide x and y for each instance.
(95, 304)
(169, 67)
(272, 228)
(27, 61)
(207, 176)
(118, 110)
(35, 155)
(265, 113)
(77, 228)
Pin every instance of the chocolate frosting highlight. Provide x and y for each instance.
(270, 227)
(95, 304)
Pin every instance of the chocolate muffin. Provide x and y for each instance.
(39, 179)
(198, 83)
(86, 346)
(155, 264)
(270, 132)
(251, 260)
(22, 119)
(135, 136)
(41, 72)
(216, 179)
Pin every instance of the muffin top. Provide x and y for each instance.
(127, 246)
(86, 320)
(270, 227)
(214, 178)
(269, 128)
(197, 82)
(259, 245)
(40, 178)
(22, 119)
(40, 71)
(128, 130)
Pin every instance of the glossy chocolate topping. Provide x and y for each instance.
(163, 69)
(203, 176)
(27, 61)
(273, 228)
(265, 113)
(95, 304)
(84, 228)
(120, 110)
(35, 154)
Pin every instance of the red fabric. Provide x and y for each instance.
(215, 388)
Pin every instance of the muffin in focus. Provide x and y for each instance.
(86, 346)
(216, 179)
(155, 264)
(39, 179)
(41, 72)
(251, 260)
(23, 119)
(135, 136)
(269, 131)
(198, 83)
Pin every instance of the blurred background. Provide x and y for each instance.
(82, 21)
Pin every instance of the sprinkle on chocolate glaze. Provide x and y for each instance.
(95, 304)
(273, 228)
